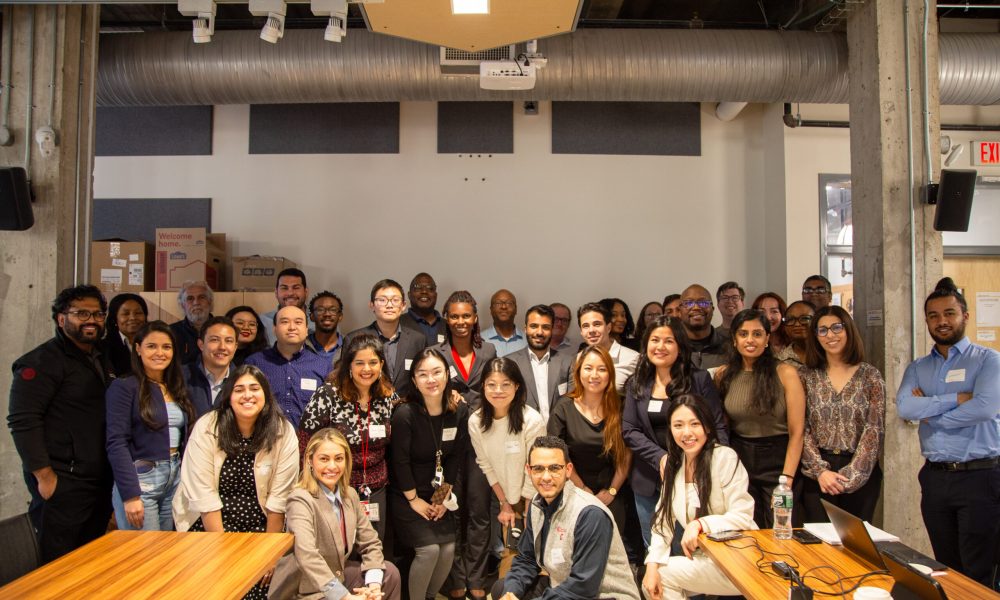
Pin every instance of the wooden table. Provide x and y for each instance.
(156, 564)
(738, 560)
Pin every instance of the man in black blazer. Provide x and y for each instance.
(546, 371)
(401, 344)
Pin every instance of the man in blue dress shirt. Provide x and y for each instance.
(955, 394)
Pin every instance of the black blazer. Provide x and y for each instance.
(118, 353)
(469, 389)
(198, 389)
(410, 344)
(560, 370)
(638, 431)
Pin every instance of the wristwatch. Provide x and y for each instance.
(612, 491)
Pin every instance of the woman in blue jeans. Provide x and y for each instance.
(664, 372)
(148, 420)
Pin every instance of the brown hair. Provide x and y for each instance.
(307, 480)
(340, 377)
(854, 350)
(611, 406)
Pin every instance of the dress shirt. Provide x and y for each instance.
(215, 386)
(504, 345)
(390, 346)
(292, 381)
(563, 345)
(949, 431)
(433, 332)
(540, 369)
(625, 360)
(336, 589)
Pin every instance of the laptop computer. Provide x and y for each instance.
(854, 535)
(911, 584)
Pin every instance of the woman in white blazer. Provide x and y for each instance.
(697, 468)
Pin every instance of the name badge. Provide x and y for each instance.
(556, 556)
(406, 363)
(264, 468)
(453, 372)
(376, 431)
(512, 447)
(655, 405)
(448, 434)
(371, 510)
(955, 376)
(562, 388)
(308, 384)
(440, 338)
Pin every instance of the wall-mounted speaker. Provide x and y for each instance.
(15, 200)
(954, 199)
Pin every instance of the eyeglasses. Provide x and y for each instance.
(322, 310)
(245, 324)
(85, 315)
(815, 290)
(564, 321)
(733, 298)
(755, 334)
(423, 287)
(500, 387)
(689, 304)
(382, 301)
(803, 320)
(837, 328)
(541, 469)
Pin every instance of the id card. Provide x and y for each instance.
(512, 447)
(376, 431)
(655, 406)
(556, 556)
(448, 434)
(308, 384)
(370, 509)
(955, 376)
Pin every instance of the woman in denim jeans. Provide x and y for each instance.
(148, 420)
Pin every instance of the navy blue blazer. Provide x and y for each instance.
(129, 439)
(638, 431)
(198, 388)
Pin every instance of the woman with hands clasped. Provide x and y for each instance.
(704, 491)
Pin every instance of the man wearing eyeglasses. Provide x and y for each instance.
(326, 311)
(560, 326)
(504, 334)
(423, 317)
(817, 291)
(57, 419)
(400, 344)
(730, 297)
(708, 344)
(570, 534)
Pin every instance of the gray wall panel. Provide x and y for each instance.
(334, 128)
(137, 219)
(650, 128)
(154, 131)
(475, 127)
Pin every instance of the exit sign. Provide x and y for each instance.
(986, 153)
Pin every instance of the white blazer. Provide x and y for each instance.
(730, 506)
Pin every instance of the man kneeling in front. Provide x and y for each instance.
(570, 534)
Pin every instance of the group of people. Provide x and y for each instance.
(425, 441)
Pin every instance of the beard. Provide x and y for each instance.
(956, 336)
(542, 345)
(78, 334)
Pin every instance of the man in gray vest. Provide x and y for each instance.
(570, 534)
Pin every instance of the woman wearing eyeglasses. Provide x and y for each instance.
(765, 403)
(250, 334)
(797, 326)
(845, 420)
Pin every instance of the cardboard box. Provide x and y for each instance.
(189, 254)
(118, 266)
(256, 273)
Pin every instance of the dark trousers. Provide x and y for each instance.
(473, 544)
(961, 511)
(764, 459)
(77, 513)
(36, 503)
(860, 503)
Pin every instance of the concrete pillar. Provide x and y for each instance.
(35, 264)
(884, 274)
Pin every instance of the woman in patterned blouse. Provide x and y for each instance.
(357, 399)
(845, 419)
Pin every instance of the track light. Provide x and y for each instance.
(203, 26)
(336, 29)
(274, 27)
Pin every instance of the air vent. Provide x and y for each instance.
(463, 62)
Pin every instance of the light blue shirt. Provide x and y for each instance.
(335, 589)
(506, 346)
(949, 431)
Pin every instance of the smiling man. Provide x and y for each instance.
(204, 378)
(569, 533)
(290, 289)
(327, 310)
(708, 344)
(505, 336)
(595, 327)
(546, 371)
(422, 316)
(955, 394)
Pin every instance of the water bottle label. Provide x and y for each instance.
(781, 501)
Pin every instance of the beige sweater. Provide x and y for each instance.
(502, 456)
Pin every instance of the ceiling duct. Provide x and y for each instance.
(590, 64)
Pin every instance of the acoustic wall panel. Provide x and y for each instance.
(154, 131)
(137, 219)
(475, 127)
(333, 128)
(650, 128)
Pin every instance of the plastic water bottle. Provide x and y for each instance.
(781, 502)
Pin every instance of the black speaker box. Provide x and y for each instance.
(954, 199)
(15, 200)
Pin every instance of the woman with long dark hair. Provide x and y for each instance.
(649, 313)
(664, 372)
(589, 420)
(773, 307)
(429, 447)
(240, 464)
(357, 399)
(622, 325)
(127, 313)
(704, 491)
(149, 417)
(765, 403)
(251, 336)
(845, 419)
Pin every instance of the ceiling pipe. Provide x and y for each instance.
(794, 120)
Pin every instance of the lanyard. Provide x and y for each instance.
(365, 436)
(438, 480)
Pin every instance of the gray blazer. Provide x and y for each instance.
(560, 370)
(410, 344)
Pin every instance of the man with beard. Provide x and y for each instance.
(595, 327)
(546, 371)
(505, 336)
(195, 299)
(205, 377)
(290, 289)
(422, 316)
(955, 394)
(708, 344)
(327, 310)
(57, 419)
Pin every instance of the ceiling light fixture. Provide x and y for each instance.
(274, 28)
(470, 7)
(203, 26)
(336, 29)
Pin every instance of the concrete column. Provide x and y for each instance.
(884, 274)
(35, 264)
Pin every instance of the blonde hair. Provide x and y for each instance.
(307, 480)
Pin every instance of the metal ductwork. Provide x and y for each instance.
(593, 64)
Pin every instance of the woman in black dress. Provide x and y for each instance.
(127, 313)
(430, 442)
(239, 465)
(250, 334)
